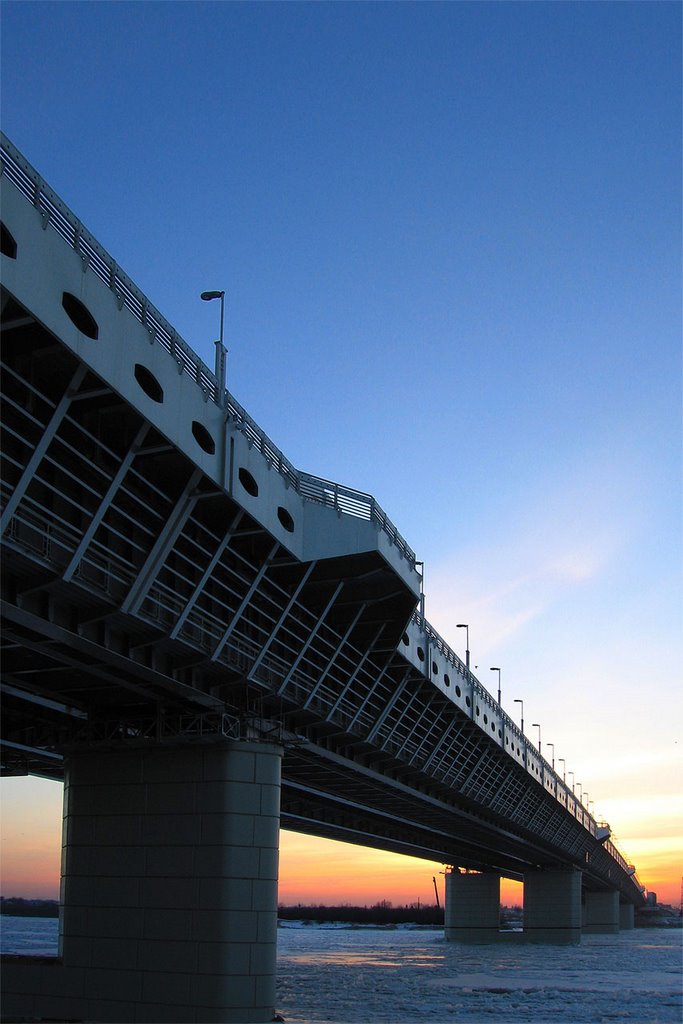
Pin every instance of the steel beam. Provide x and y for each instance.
(311, 637)
(390, 706)
(255, 583)
(324, 674)
(40, 449)
(213, 562)
(285, 612)
(99, 515)
(163, 545)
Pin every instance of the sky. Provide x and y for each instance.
(450, 240)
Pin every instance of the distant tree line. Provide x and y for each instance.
(18, 907)
(380, 913)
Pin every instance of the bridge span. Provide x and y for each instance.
(205, 644)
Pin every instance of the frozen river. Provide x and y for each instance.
(330, 975)
(363, 976)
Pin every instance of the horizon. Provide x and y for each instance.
(450, 238)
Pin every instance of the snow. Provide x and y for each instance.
(373, 976)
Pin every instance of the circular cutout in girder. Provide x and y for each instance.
(80, 316)
(148, 382)
(248, 482)
(285, 519)
(8, 245)
(203, 437)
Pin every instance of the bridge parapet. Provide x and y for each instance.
(420, 644)
(57, 215)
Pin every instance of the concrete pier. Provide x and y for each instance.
(552, 906)
(626, 917)
(169, 888)
(601, 913)
(472, 908)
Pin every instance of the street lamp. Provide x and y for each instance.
(564, 768)
(463, 625)
(422, 587)
(581, 792)
(220, 348)
(535, 725)
(494, 669)
(572, 775)
(553, 746)
(518, 701)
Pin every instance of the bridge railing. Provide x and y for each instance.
(57, 215)
(437, 642)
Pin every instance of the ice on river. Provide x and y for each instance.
(376, 976)
(343, 975)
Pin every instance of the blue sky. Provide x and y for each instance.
(450, 236)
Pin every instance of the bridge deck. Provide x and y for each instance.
(168, 574)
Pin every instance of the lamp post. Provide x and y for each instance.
(535, 725)
(463, 625)
(564, 768)
(494, 669)
(581, 792)
(553, 746)
(221, 352)
(422, 587)
(517, 700)
(572, 775)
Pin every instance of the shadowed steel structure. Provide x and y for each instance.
(206, 642)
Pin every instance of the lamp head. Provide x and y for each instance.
(207, 296)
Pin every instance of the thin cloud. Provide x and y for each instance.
(560, 539)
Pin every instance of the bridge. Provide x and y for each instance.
(205, 644)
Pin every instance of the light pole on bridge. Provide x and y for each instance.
(463, 625)
(535, 725)
(221, 351)
(422, 587)
(572, 775)
(518, 700)
(494, 669)
(581, 792)
(553, 746)
(564, 768)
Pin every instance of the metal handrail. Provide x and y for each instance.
(482, 693)
(57, 215)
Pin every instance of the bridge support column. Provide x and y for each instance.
(601, 913)
(472, 908)
(169, 887)
(552, 906)
(626, 917)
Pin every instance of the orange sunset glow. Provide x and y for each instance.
(312, 871)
